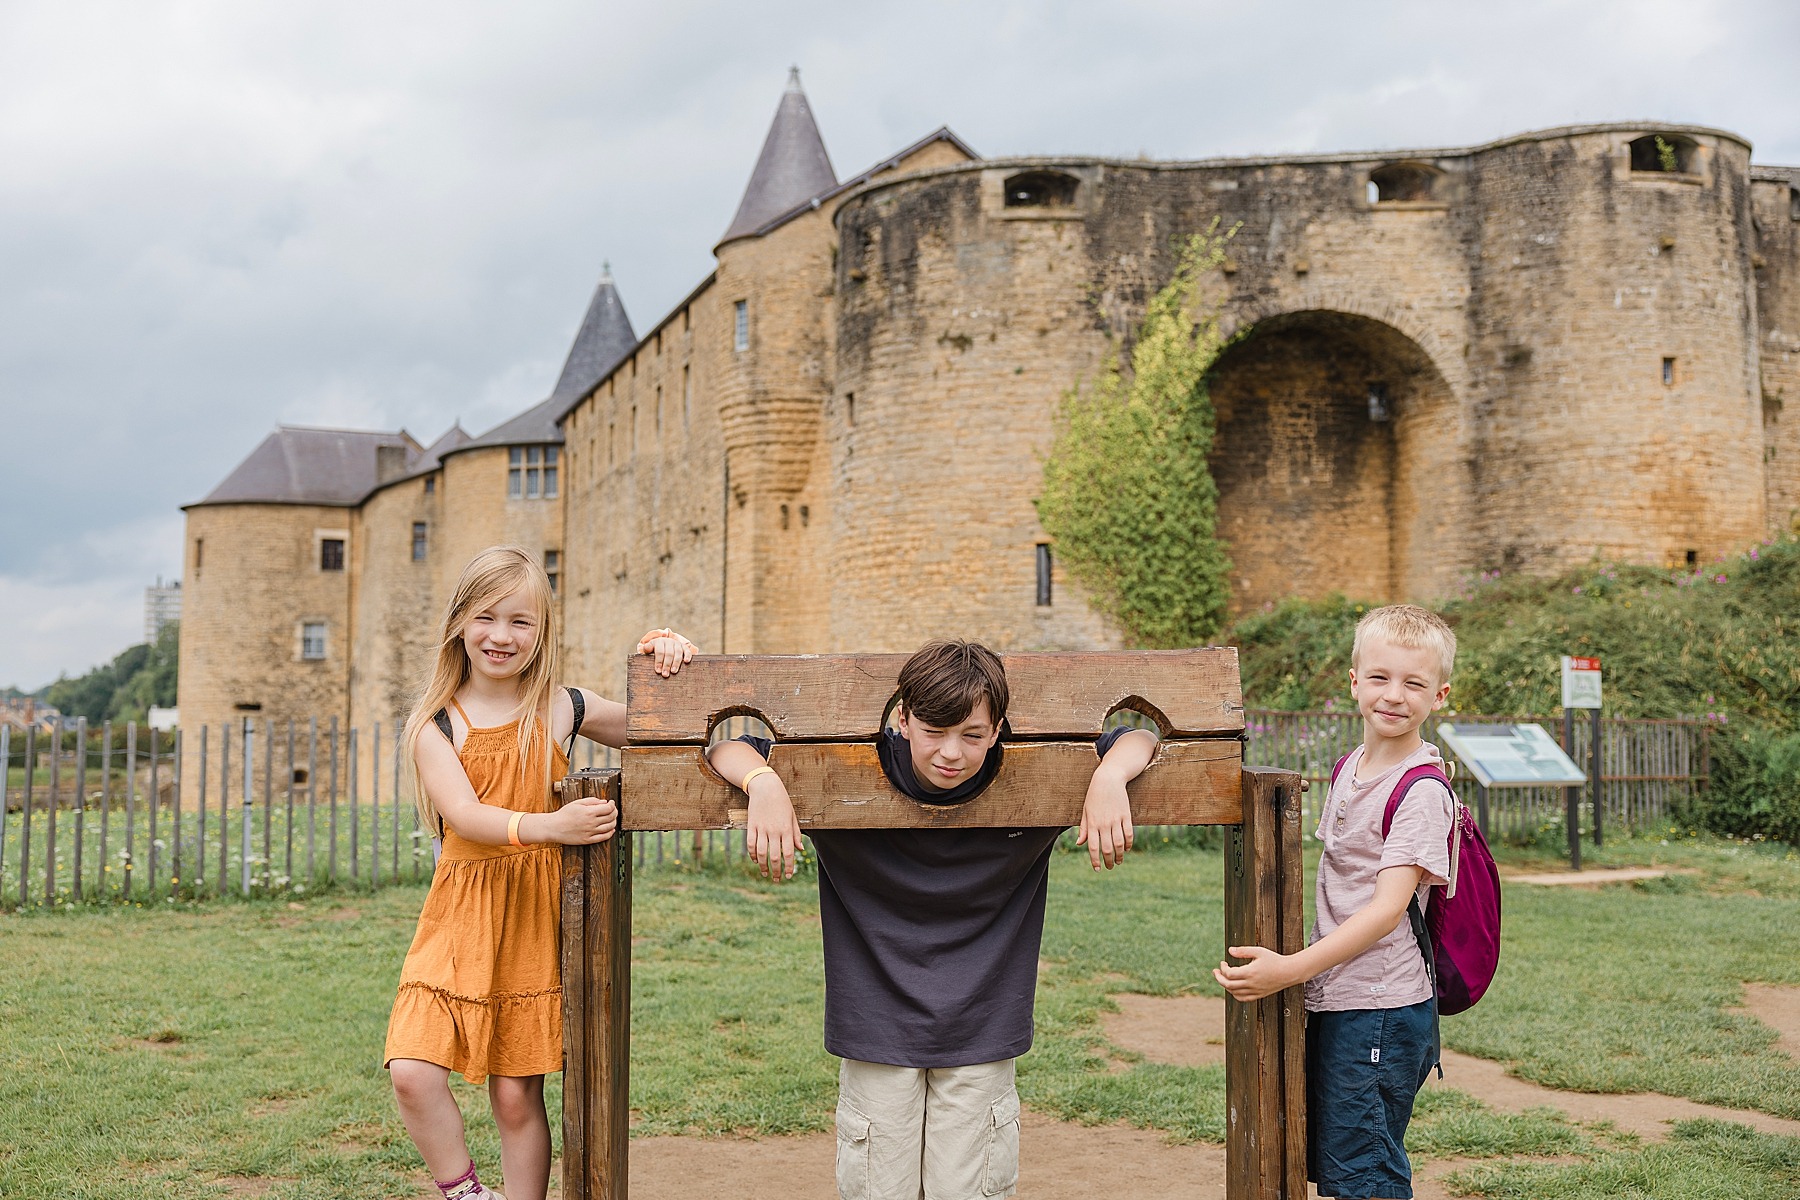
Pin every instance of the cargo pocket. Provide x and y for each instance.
(1001, 1175)
(852, 1153)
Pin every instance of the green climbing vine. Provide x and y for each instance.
(1127, 493)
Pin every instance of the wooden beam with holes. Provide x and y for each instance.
(825, 712)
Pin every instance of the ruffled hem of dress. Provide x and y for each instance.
(509, 1033)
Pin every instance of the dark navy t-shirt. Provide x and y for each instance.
(931, 935)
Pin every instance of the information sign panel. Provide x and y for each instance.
(1580, 682)
(1511, 755)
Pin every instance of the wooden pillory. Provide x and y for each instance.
(825, 712)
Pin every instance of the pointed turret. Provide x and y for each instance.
(604, 339)
(792, 169)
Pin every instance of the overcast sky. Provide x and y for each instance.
(217, 216)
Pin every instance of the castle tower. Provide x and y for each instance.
(774, 280)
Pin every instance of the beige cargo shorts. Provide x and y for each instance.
(940, 1133)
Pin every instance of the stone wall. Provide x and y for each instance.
(1776, 205)
(253, 582)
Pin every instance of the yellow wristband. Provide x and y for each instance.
(512, 829)
(744, 786)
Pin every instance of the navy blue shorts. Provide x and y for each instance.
(1363, 1068)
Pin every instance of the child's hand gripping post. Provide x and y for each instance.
(584, 821)
(771, 832)
(1268, 972)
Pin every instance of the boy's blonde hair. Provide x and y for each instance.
(491, 575)
(1410, 626)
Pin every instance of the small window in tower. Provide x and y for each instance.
(1378, 402)
(1663, 154)
(1043, 574)
(656, 413)
(631, 446)
(553, 567)
(742, 336)
(1693, 558)
(312, 641)
(1668, 372)
(430, 484)
(687, 394)
(515, 473)
(331, 554)
(849, 408)
(1401, 183)
(418, 541)
(199, 553)
(1041, 189)
(551, 456)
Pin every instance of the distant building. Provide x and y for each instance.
(162, 606)
(1558, 345)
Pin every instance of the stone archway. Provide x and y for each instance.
(1337, 460)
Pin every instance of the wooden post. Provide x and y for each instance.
(1265, 1048)
(596, 980)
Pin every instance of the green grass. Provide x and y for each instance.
(157, 1051)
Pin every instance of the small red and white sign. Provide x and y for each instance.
(1580, 682)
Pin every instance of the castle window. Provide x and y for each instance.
(849, 408)
(1401, 183)
(331, 554)
(1378, 402)
(742, 337)
(1663, 154)
(312, 641)
(553, 567)
(1668, 372)
(199, 553)
(531, 472)
(418, 541)
(658, 412)
(631, 446)
(1041, 189)
(430, 484)
(687, 394)
(1043, 575)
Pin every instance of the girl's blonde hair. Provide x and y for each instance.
(491, 575)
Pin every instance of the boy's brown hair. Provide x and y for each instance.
(941, 684)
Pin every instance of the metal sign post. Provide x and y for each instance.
(1581, 689)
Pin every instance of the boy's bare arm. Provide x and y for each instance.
(1268, 972)
(1106, 828)
(772, 831)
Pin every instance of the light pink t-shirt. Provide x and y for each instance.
(1391, 973)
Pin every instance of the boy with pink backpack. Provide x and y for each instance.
(1386, 954)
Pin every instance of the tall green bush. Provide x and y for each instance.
(1127, 492)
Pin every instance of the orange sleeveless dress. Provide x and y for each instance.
(481, 989)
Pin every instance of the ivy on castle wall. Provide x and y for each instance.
(1127, 492)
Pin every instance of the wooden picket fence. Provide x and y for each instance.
(105, 815)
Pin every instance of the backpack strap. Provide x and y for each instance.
(1337, 769)
(1414, 914)
(580, 706)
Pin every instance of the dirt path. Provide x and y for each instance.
(1189, 1031)
(1064, 1161)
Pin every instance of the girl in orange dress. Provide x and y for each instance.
(481, 992)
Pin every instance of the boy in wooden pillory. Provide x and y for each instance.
(931, 935)
(933, 856)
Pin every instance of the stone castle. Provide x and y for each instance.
(1524, 354)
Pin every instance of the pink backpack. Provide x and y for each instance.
(1459, 933)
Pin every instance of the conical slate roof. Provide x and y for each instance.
(604, 339)
(792, 169)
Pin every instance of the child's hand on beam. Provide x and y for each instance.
(772, 831)
(1106, 828)
(671, 651)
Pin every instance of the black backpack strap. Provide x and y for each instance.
(580, 707)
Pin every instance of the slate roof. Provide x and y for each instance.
(299, 464)
(792, 169)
